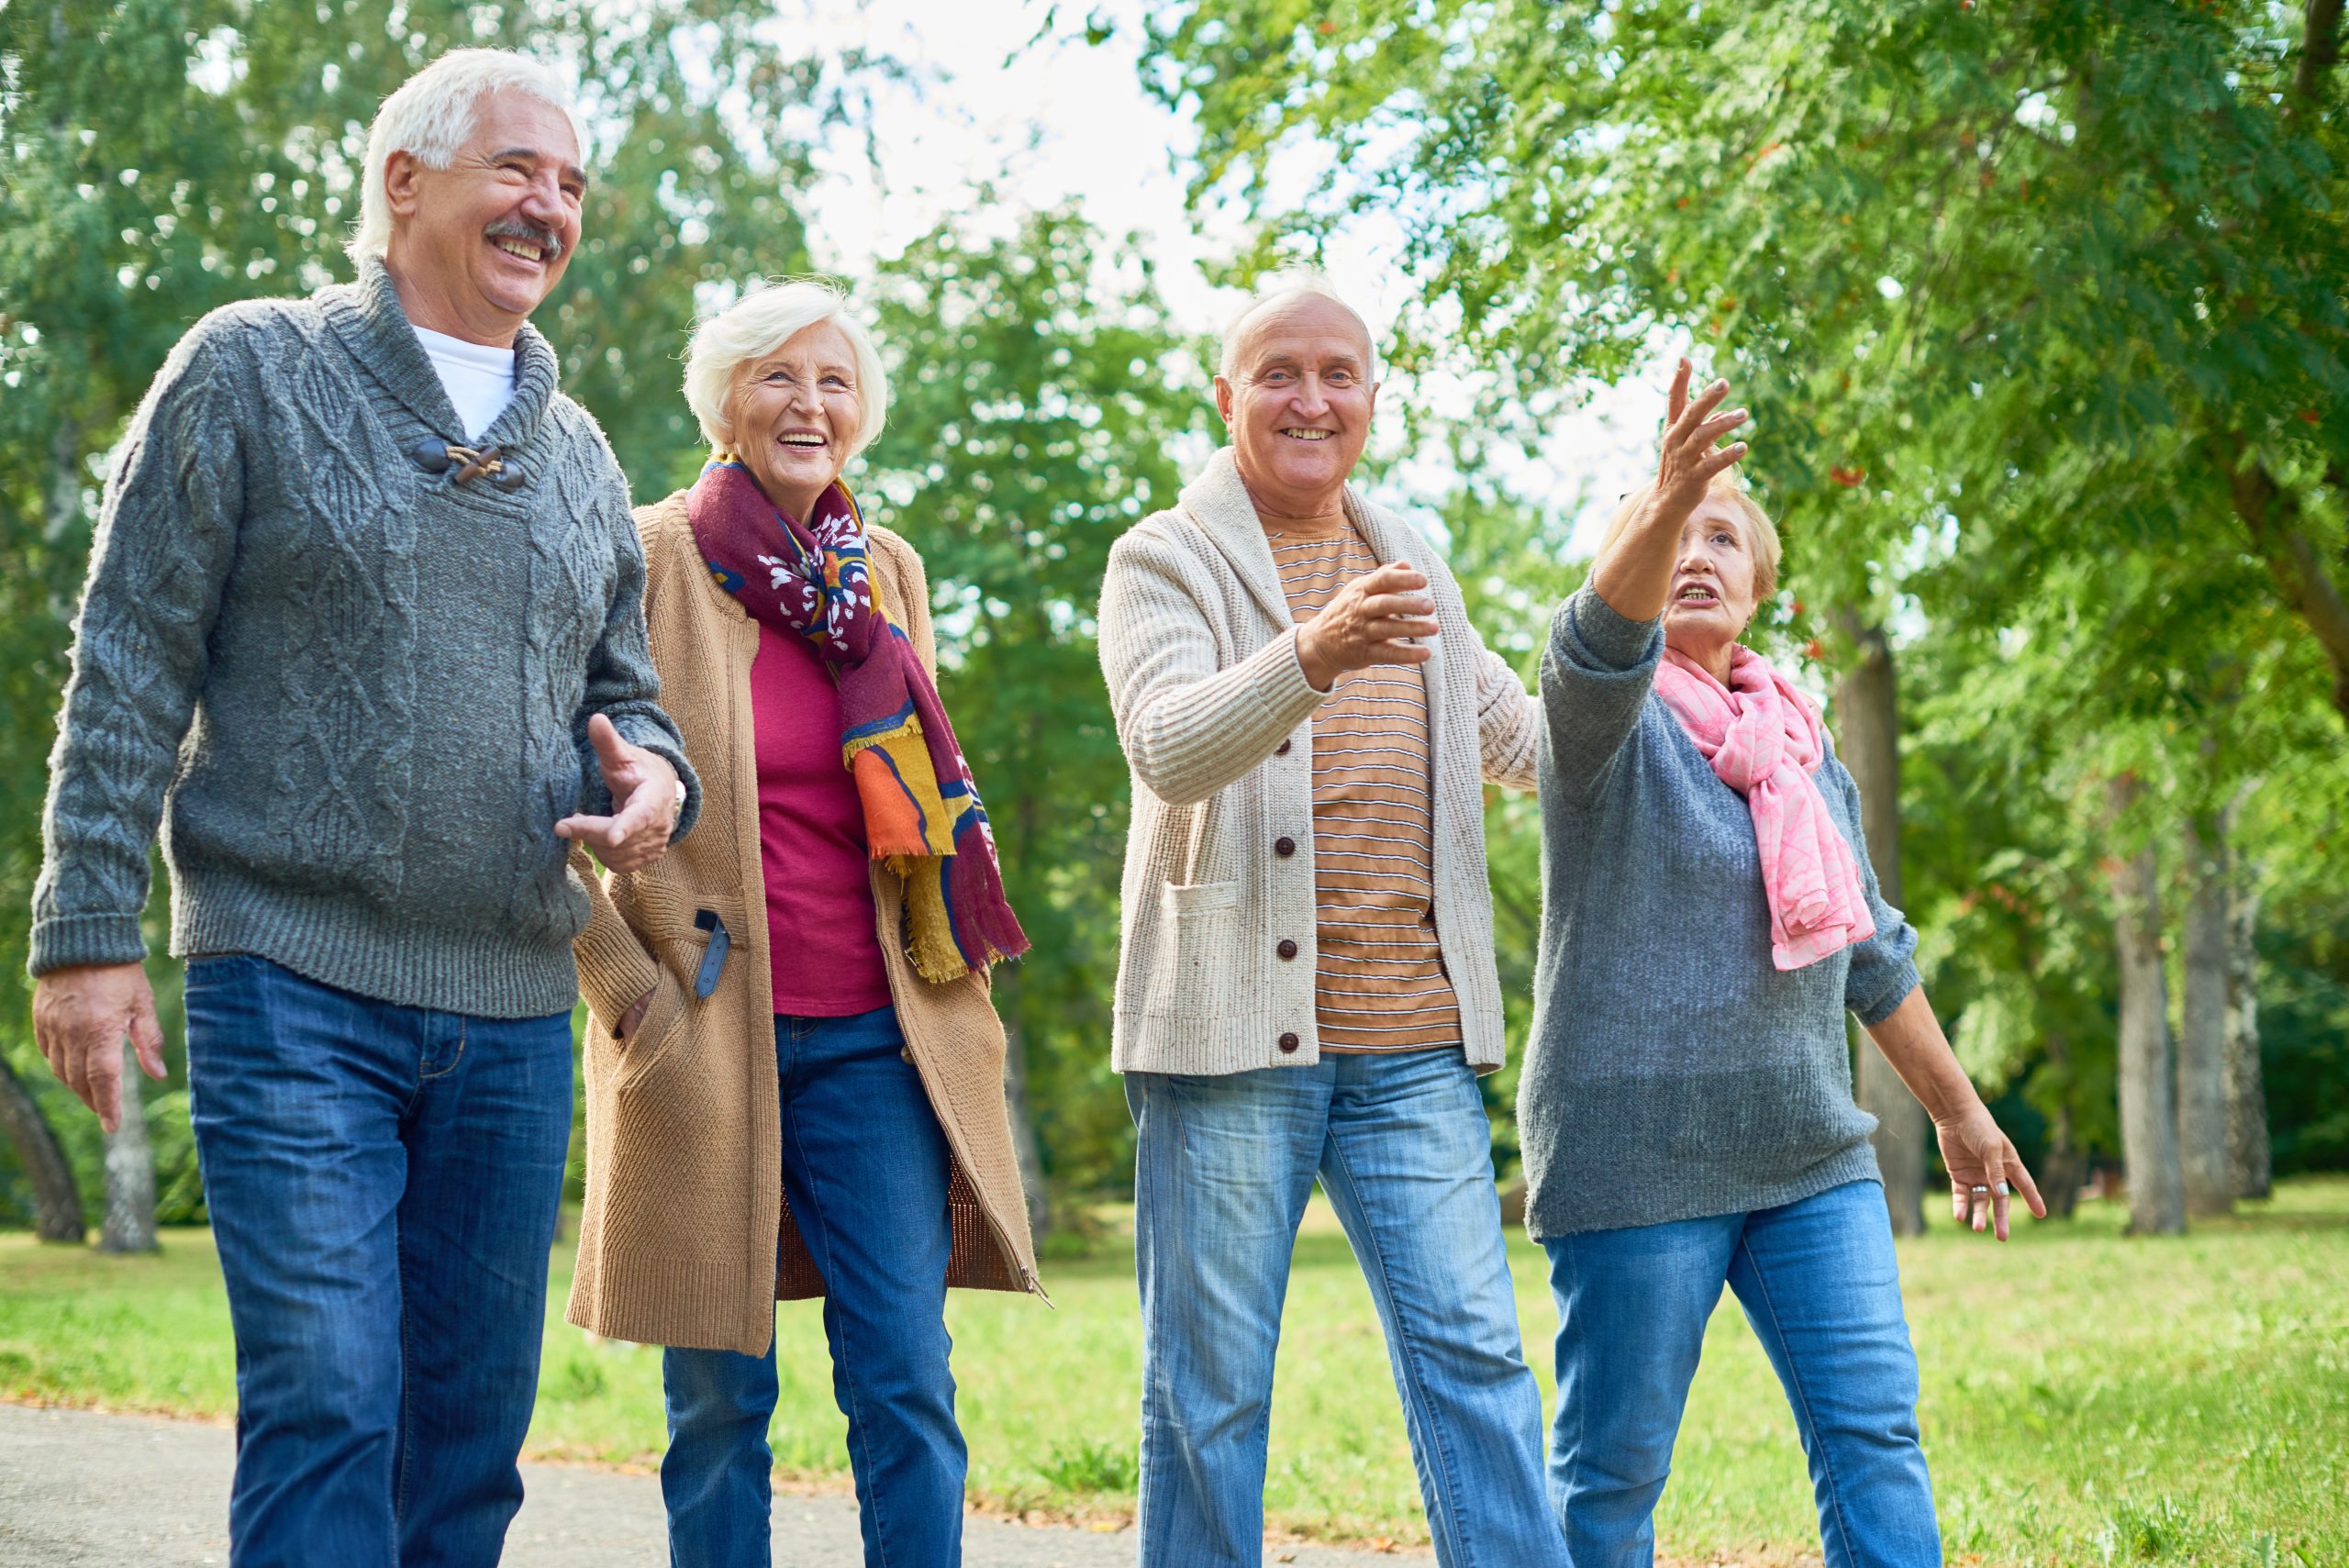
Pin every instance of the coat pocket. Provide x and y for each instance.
(1198, 973)
(657, 1034)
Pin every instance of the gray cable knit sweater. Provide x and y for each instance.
(1674, 1073)
(356, 691)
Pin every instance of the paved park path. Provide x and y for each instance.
(78, 1488)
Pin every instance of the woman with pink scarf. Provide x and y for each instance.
(1686, 1108)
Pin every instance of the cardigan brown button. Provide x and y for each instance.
(1286, 948)
(1284, 846)
(1281, 750)
(1289, 1043)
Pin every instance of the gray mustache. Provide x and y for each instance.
(515, 229)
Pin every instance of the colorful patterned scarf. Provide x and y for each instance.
(1764, 743)
(921, 811)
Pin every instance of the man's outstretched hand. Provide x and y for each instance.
(80, 1017)
(644, 802)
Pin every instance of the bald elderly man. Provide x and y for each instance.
(1307, 985)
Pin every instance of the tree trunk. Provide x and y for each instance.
(1024, 1148)
(2148, 1105)
(2205, 1156)
(64, 478)
(2246, 1093)
(1867, 724)
(57, 1197)
(2060, 1169)
(130, 1171)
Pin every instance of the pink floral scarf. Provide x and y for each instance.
(1764, 743)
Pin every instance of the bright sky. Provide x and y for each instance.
(1062, 120)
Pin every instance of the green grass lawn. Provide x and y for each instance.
(2088, 1399)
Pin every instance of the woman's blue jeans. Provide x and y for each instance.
(383, 1182)
(1821, 1286)
(866, 1168)
(1223, 1170)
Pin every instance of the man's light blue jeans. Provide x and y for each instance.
(1223, 1170)
(1821, 1286)
(383, 1182)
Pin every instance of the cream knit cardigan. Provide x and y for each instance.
(1215, 715)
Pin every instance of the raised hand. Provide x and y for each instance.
(81, 1016)
(1690, 460)
(1633, 574)
(1367, 622)
(644, 802)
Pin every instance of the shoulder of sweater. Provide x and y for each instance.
(571, 419)
(251, 331)
(904, 576)
(1167, 532)
(893, 547)
(660, 523)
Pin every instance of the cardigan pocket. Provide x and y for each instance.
(663, 1022)
(1199, 976)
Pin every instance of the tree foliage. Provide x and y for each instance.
(2073, 266)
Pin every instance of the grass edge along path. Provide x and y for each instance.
(2088, 1399)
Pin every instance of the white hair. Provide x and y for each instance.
(1287, 288)
(432, 115)
(759, 323)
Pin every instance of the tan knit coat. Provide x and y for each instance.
(1215, 713)
(687, 1238)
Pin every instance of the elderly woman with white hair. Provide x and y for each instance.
(794, 1078)
(1708, 917)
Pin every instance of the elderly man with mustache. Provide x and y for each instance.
(1306, 986)
(364, 626)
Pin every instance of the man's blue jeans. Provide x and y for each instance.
(1821, 1286)
(866, 1168)
(383, 1182)
(1223, 1170)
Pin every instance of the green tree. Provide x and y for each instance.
(2071, 265)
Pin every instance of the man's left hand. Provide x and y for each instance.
(644, 802)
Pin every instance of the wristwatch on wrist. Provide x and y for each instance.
(677, 806)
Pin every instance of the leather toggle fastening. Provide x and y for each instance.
(713, 958)
(436, 456)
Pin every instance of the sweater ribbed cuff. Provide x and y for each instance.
(1593, 634)
(1284, 686)
(614, 972)
(1882, 1007)
(68, 941)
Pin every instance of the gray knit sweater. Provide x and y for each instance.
(356, 692)
(1674, 1072)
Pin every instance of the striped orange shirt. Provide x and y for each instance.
(1380, 983)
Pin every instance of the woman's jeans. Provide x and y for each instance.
(382, 1184)
(1223, 1170)
(866, 1168)
(1821, 1286)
